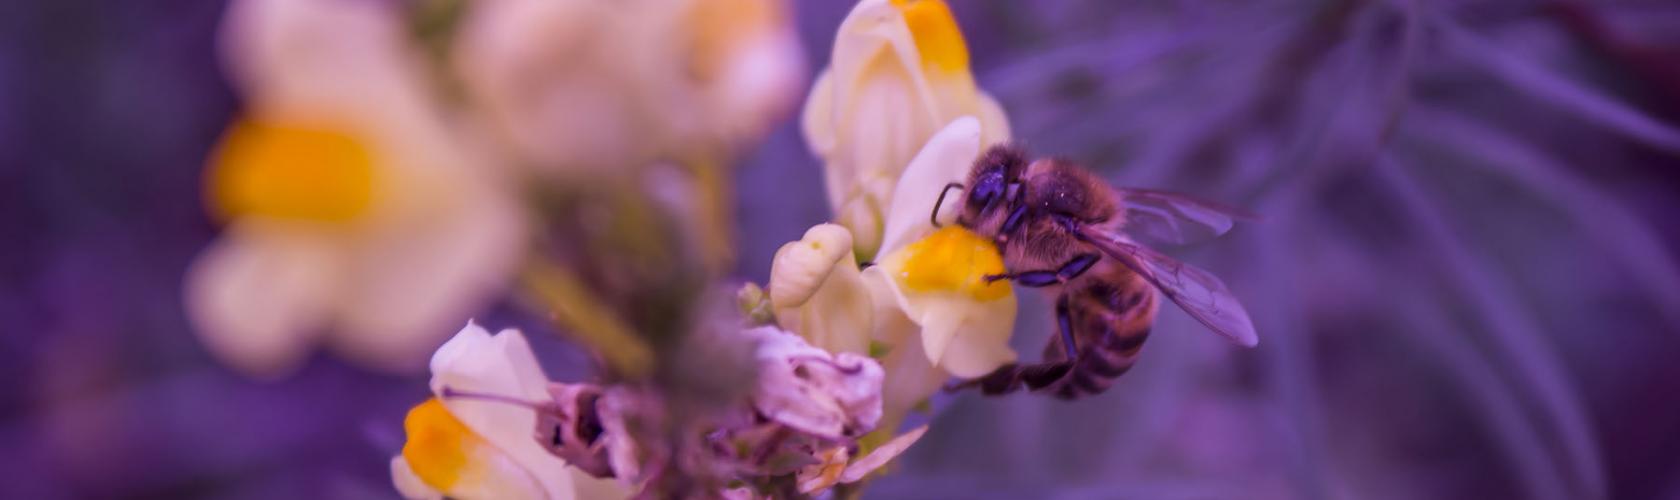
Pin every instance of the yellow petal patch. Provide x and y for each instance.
(935, 30)
(953, 259)
(438, 444)
(290, 172)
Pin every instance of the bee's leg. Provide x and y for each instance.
(1035, 279)
(1064, 320)
(1009, 378)
(1040, 375)
(1004, 380)
(1012, 377)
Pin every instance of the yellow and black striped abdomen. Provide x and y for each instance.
(1111, 310)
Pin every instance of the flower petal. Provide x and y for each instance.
(417, 278)
(257, 296)
(821, 475)
(861, 467)
(817, 121)
(502, 364)
(409, 484)
(591, 487)
(947, 157)
(914, 379)
(965, 323)
(801, 267)
(994, 122)
(443, 455)
(968, 339)
(805, 388)
(817, 292)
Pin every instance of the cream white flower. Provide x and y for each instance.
(471, 448)
(899, 73)
(817, 290)
(930, 305)
(590, 86)
(933, 303)
(354, 217)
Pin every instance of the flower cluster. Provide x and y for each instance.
(497, 428)
(925, 308)
(854, 350)
(375, 186)
(399, 166)
(896, 118)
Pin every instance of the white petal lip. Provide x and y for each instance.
(959, 335)
(409, 484)
(500, 364)
(912, 376)
(947, 157)
(966, 338)
(414, 281)
(263, 334)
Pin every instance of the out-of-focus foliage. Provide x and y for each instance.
(1464, 274)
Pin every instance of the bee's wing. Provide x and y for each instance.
(1198, 292)
(1175, 218)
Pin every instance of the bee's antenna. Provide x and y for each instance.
(934, 217)
(452, 393)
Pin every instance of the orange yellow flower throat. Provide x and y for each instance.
(935, 31)
(438, 445)
(954, 259)
(287, 171)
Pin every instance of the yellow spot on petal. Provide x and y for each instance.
(954, 259)
(935, 31)
(290, 172)
(438, 444)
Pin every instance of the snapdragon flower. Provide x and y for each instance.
(899, 72)
(354, 217)
(498, 428)
(598, 87)
(472, 448)
(932, 312)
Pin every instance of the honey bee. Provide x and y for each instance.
(1059, 228)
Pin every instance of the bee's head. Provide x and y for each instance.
(994, 173)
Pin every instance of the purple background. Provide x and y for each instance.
(1465, 279)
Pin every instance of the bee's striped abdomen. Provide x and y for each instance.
(1112, 316)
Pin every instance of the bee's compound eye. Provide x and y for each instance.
(987, 188)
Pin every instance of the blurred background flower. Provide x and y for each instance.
(353, 211)
(594, 86)
(1464, 274)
